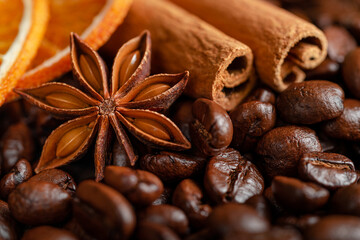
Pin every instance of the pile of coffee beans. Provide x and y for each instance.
(279, 166)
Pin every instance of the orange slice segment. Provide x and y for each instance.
(93, 20)
(22, 27)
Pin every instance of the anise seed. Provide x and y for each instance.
(129, 65)
(151, 91)
(90, 72)
(64, 100)
(153, 128)
(72, 140)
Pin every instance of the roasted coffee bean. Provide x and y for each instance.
(4, 210)
(297, 196)
(103, 212)
(16, 143)
(140, 187)
(7, 223)
(347, 200)
(347, 125)
(251, 120)
(232, 218)
(152, 231)
(351, 73)
(35, 203)
(261, 205)
(189, 197)
(48, 232)
(328, 69)
(183, 117)
(204, 233)
(212, 130)
(275, 207)
(168, 215)
(231, 178)
(74, 227)
(169, 166)
(19, 173)
(335, 227)
(262, 94)
(330, 170)
(165, 197)
(340, 42)
(7, 230)
(310, 102)
(281, 148)
(58, 177)
(275, 233)
(300, 222)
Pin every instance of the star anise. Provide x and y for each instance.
(132, 100)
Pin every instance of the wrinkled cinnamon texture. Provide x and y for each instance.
(283, 44)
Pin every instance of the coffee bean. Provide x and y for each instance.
(16, 143)
(183, 117)
(275, 206)
(231, 178)
(103, 212)
(274, 233)
(7, 223)
(165, 196)
(19, 173)
(58, 177)
(281, 148)
(340, 42)
(170, 166)
(335, 227)
(35, 203)
(4, 210)
(297, 196)
(251, 120)
(300, 222)
(212, 130)
(232, 218)
(347, 200)
(204, 233)
(330, 170)
(7, 230)
(168, 215)
(140, 187)
(351, 73)
(311, 102)
(74, 227)
(261, 205)
(189, 197)
(347, 125)
(328, 69)
(262, 94)
(152, 231)
(47, 232)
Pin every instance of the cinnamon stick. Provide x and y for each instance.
(220, 66)
(275, 36)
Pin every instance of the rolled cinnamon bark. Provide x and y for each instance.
(220, 66)
(282, 43)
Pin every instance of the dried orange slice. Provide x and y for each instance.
(93, 20)
(22, 27)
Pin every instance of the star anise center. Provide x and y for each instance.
(107, 106)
